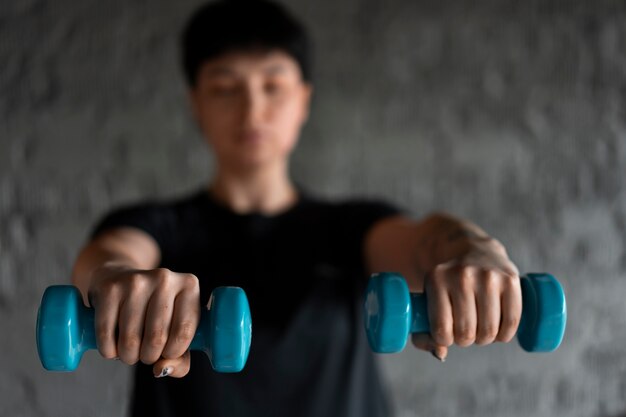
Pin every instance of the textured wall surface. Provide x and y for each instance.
(509, 113)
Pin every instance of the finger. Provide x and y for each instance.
(184, 324)
(157, 326)
(425, 342)
(105, 322)
(488, 306)
(511, 310)
(440, 313)
(464, 310)
(131, 323)
(176, 367)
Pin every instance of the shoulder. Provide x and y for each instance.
(160, 204)
(150, 214)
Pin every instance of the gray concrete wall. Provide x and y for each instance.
(509, 113)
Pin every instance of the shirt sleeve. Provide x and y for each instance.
(357, 219)
(156, 220)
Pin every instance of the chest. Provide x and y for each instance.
(283, 265)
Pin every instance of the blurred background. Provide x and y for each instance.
(509, 113)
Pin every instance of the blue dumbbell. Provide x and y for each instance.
(392, 313)
(65, 329)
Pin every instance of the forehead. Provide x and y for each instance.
(246, 63)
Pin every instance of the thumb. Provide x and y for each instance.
(423, 341)
(177, 367)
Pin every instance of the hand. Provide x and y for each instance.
(156, 313)
(474, 297)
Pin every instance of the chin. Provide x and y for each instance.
(253, 162)
(254, 158)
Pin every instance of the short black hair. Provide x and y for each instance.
(223, 26)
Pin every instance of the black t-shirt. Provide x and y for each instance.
(303, 273)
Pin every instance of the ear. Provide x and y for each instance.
(307, 93)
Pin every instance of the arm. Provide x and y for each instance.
(473, 287)
(141, 312)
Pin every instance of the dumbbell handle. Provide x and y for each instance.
(419, 319)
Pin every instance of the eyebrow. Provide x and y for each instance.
(217, 71)
(275, 69)
(272, 69)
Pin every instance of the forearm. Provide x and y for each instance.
(413, 248)
(92, 258)
(118, 249)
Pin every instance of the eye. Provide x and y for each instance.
(273, 88)
(223, 89)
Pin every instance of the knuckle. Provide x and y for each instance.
(137, 282)
(465, 334)
(496, 244)
(511, 323)
(106, 350)
(491, 281)
(488, 333)
(444, 267)
(191, 283)
(163, 276)
(107, 353)
(157, 338)
(504, 337)
(466, 278)
(440, 274)
(441, 334)
(106, 290)
(184, 333)
(148, 358)
(440, 269)
(510, 280)
(128, 357)
(464, 271)
(129, 360)
(103, 333)
(460, 277)
(130, 342)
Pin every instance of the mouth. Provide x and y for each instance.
(252, 136)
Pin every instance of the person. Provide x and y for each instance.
(303, 261)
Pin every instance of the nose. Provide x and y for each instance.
(254, 107)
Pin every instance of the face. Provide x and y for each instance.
(250, 107)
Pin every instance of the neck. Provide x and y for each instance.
(267, 191)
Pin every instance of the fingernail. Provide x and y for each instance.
(434, 353)
(165, 372)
